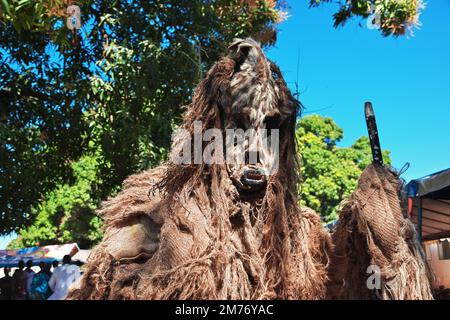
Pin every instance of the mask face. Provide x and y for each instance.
(261, 108)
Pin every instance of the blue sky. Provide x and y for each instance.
(407, 80)
(5, 240)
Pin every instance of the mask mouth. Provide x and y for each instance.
(251, 178)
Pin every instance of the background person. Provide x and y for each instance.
(40, 289)
(62, 278)
(30, 274)
(6, 285)
(19, 283)
(47, 270)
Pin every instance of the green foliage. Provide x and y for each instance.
(66, 214)
(44, 86)
(115, 87)
(394, 17)
(329, 173)
(29, 14)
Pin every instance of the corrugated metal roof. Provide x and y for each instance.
(427, 185)
(435, 217)
(434, 192)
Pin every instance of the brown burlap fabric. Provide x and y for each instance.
(188, 232)
(196, 235)
(372, 231)
(151, 251)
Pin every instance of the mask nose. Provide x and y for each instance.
(252, 157)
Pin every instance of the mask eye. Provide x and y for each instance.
(239, 123)
(272, 122)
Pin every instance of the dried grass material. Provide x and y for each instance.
(114, 265)
(185, 232)
(373, 231)
(195, 237)
(202, 255)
